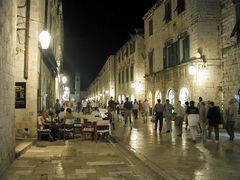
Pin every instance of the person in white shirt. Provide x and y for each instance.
(146, 110)
(179, 114)
(96, 112)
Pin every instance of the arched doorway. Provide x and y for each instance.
(132, 97)
(158, 95)
(171, 96)
(123, 98)
(184, 95)
(119, 99)
(238, 100)
(150, 101)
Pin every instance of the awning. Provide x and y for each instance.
(49, 60)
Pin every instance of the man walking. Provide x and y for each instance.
(193, 118)
(230, 112)
(127, 112)
(158, 110)
(214, 119)
(146, 110)
(179, 113)
(57, 107)
(168, 108)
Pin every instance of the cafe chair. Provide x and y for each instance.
(88, 129)
(103, 128)
(43, 132)
(67, 130)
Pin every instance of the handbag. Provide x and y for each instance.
(153, 119)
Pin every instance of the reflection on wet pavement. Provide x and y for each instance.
(180, 157)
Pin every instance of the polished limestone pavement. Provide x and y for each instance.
(137, 153)
(174, 157)
(77, 159)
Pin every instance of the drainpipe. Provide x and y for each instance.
(27, 26)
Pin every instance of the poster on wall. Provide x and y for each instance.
(20, 95)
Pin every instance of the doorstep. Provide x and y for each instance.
(22, 145)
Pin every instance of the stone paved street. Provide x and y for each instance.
(176, 157)
(76, 159)
(140, 153)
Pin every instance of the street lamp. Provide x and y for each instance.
(192, 70)
(64, 79)
(44, 39)
(133, 85)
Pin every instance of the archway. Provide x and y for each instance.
(132, 97)
(158, 95)
(123, 98)
(184, 95)
(150, 101)
(171, 96)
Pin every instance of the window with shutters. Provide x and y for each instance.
(150, 27)
(236, 28)
(150, 56)
(127, 74)
(132, 73)
(122, 76)
(186, 48)
(171, 55)
(126, 52)
(119, 78)
(168, 12)
(180, 6)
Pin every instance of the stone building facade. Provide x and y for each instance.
(130, 69)
(182, 48)
(8, 19)
(103, 87)
(42, 73)
(230, 13)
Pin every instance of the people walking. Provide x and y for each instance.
(168, 111)
(186, 105)
(202, 118)
(193, 119)
(158, 111)
(179, 113)
(230, 113)
(214, 119)
(57, 107)
(135, 109)
(146, 110)
(127, 112)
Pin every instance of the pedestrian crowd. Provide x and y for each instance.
(200, 119)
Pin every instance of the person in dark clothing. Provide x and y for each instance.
(193, 119)
(214, 119)
(112, 104)
(158, 111)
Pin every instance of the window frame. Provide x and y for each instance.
(181, 6)
(151, 61)
(236, 28)
(150, 27)
(168, 11)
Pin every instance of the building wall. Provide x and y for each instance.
(26, 118)
(41, 84)
(135, 60)
(8, 9)
(231, 57)
(200, 21)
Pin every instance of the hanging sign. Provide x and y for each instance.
(20, 95)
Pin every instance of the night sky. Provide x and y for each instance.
(95, 29)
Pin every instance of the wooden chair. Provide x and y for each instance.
(41, 132)
(88, 128)
(78, 127)
(103, 128)
(67, 130)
